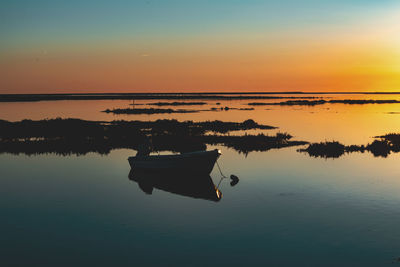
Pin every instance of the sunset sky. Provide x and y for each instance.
(193, 46)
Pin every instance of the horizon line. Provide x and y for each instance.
(203, 93)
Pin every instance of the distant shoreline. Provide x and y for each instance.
(213, 93)
(175, 96)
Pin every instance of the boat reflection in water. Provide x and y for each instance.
(195, 186)
(186, 174)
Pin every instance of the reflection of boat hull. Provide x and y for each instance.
(195, 186)
(201, 162)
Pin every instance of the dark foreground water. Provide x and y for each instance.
(287, 210)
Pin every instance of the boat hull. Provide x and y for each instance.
(201, 162)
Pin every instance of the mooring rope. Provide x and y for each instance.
(219, 168)
(222, 175)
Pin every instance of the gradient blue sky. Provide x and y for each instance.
(70, 29)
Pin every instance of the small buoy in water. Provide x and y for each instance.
(234, 180)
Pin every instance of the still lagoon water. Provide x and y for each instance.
(287, 210)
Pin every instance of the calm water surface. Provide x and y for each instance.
(287, 210)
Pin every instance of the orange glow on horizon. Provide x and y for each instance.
(368, 60)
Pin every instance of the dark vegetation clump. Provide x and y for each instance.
(74, 136)
(379, 148)
(362, 102)
(382, 146)
(228, 108)
(247, 143)
(291, 103)
(225, 127)
(393, 139)
(325, 149)
(321, 102)
(148, 111)
(177, 104)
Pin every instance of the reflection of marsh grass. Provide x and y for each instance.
(73, 136)
(381, 147)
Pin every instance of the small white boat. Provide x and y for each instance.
(199, 162)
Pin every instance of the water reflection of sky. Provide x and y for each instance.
(287, 209)
(349, 124)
